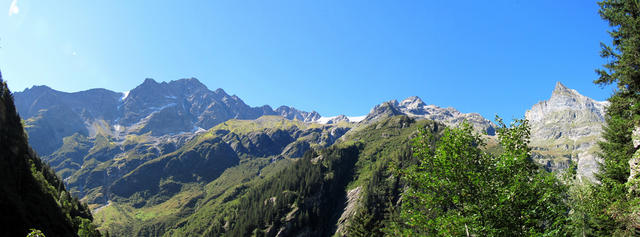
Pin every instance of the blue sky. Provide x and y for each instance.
(335, 57)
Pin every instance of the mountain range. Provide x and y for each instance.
(184, 105)
(164, 157)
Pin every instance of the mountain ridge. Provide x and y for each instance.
(186, 104)
(147, 149)
(414, 107)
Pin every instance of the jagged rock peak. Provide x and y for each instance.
(220, 91)
(384, 110)
(189, 83)
(562, 91)
(149, 81)
(560, 87)
(414, 107)
(184, 85)
(338, 119)
(566, 129)
(388, 105)
(564, 98)
(38, 88)
(295, 114)
(412, 102)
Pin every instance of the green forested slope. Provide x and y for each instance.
(196, 182)
(273, 194)
(309, 196)
(32, 195)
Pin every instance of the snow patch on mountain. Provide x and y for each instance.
(324, 120)
(158, 109)
(356, 119)
(124, 95)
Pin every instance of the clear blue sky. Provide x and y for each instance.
(332, 56)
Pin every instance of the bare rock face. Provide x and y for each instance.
(567, 128)
(353, 197)
(294, 114)
(414, 107)
(338, 119)
(633, 181)
(634, 164)
(384, 110)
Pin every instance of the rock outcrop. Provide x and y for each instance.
(566, 128)
(294, 114)
(338, 119)
(633, 182)
(634, 164)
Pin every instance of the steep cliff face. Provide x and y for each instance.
(567, 128)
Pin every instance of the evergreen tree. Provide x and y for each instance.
(33, 196)
(614, 205)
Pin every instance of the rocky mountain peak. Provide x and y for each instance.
(565, 99)
(294, 114)
(414, 107)
(39, 88)
(391, 105)
(192, 80)
(384, 110)
(338, 119)
(149, 81)
(560, 87)
(179, 106)
(566, 128)
(561, 92)
(148, 87)
(221, 92)
(412, 102)
(187, 85)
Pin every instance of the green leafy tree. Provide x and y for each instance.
(457, 189)
(86, 228)
(35, 233)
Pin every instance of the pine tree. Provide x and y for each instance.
(617, 211)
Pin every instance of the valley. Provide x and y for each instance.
(172, 158)
(319, 118)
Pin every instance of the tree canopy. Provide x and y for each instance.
(459, 189)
